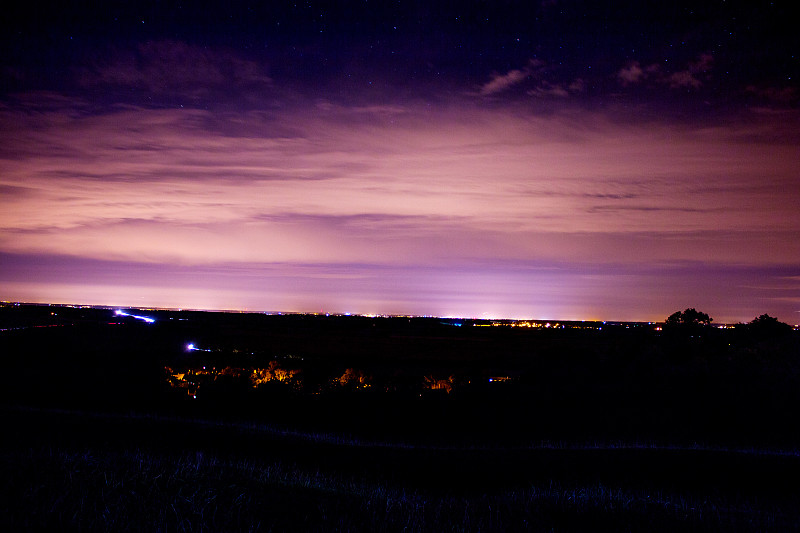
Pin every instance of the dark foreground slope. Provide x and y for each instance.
(348, 423)
(75, 471)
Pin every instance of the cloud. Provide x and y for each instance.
(773, 94)
(425, 199)
(13, 191)
(501, 82)
(634, 73)
(546, 89)
(532, 72)
(684, 78)
(397, 185)
(631, 74)
(702, 64)
(692, 76)
(577, 85)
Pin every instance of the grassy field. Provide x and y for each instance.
(81, 471)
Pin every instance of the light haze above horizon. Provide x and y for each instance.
(554, 160)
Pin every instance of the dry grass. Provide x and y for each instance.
(134, 489)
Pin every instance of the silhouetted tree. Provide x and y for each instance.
(767, 326)
(689, 318)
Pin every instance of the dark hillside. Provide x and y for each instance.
(236, 422)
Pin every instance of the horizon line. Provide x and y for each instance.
(346, 314)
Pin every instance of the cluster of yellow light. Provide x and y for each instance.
(432, 383)
(273, 372)
(355, 378)
(532, 325)
(257, 376)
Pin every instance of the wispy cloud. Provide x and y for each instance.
(558, 90)
(691, 77)
(694, 75)
(500, 82)
(193, 186)
(403, 187)
(683, 79)
(631, 73)
(774, 94)
(533, 75)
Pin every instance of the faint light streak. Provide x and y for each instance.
(149, 320)
(192, 348)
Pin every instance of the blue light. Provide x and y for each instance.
(120, 312)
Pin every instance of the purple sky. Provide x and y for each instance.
(179, 167)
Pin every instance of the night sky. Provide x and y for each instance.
(553, 159)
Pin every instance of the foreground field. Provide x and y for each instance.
(223, 422)
(81, 471)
